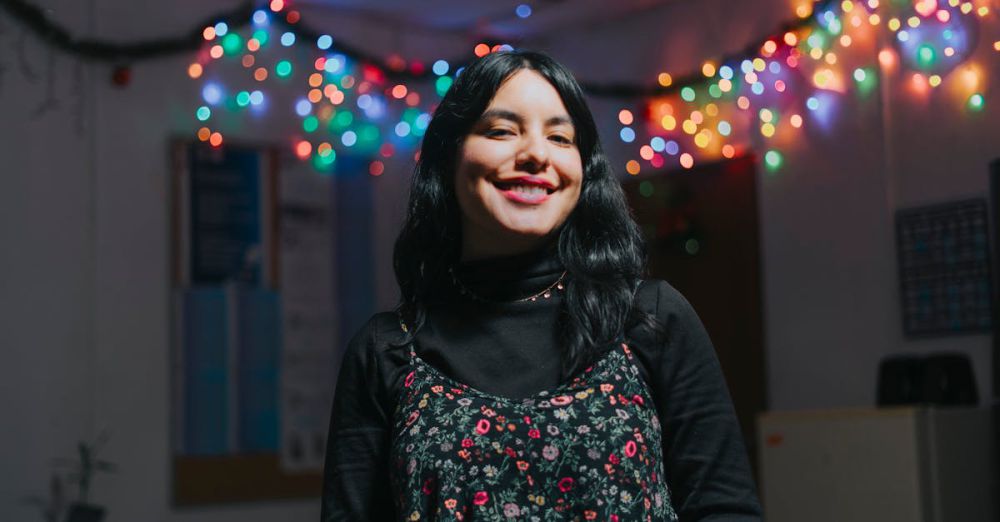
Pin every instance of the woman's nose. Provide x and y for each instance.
(534, 155)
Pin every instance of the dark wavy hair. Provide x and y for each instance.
(599, 244)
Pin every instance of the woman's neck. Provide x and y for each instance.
(477, 249)
(509, 277)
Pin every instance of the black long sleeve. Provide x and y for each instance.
(705, 459)
(355, 478)
(511, 350)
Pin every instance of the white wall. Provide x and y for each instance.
(83, 195)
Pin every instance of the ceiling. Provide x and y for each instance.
(492, 19)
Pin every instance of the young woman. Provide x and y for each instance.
(529, 372)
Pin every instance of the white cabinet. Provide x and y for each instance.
(881, 465)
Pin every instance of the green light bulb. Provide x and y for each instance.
(442, 85)
(283, 69)
(232, 43)
(773, 160)
(310, 124)
(976, 102)
(926, 55)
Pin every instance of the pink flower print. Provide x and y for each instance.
(413, 417)
(527, 419)
(630, 448)
(480, 498)
(437, 388)
(614, 518)
(638, 400)
(409, 380)
(534, 433)
(483, 426)
(428, 486)
(565, 484)
(562, 400)
(466, 443)
(550, 452)
(614, 459)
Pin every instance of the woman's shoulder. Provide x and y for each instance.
(669, 317)
(380, 333)
(376, 352)
(662, 300)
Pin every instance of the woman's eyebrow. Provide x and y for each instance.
(504, 114)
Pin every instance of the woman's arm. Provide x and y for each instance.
(705, 459)
(355, 479)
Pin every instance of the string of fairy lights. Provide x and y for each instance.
(758, 100)
(346, 104)
(797, 77)
(792, 79)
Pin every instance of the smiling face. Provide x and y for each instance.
(519, 171)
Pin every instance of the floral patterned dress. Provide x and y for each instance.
(589, 449)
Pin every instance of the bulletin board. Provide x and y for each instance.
(238, 337)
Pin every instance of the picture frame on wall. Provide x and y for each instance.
(227, 335)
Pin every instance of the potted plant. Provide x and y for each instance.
(81, 472)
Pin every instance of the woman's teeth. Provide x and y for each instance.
(526, 189)
(529, 190)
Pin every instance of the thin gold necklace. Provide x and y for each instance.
(545, 293)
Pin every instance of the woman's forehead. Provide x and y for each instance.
(527, 94)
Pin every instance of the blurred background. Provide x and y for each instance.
(199, 201)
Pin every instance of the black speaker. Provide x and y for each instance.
(943, 379)
(899, 380)
(948, 380)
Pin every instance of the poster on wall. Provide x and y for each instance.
(308, 318)
(239, 327)
(944, 268)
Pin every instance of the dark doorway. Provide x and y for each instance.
(702, 230)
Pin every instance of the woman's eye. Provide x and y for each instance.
(499, 132)
(558, 138)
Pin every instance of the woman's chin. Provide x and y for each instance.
(528, 231)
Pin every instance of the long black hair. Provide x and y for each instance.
(599, 244)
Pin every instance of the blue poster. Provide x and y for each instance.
(225, 216)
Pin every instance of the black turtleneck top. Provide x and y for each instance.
(509, 348)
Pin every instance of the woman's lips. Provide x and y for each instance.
(521, 193)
